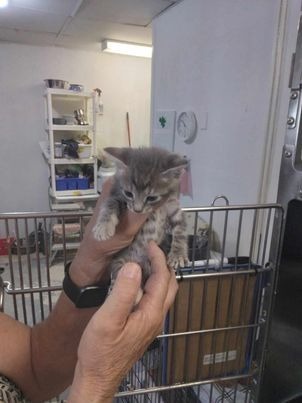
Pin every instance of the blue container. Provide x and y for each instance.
(61, 184)
(72, 183)
(83, 183)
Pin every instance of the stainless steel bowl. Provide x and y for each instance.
(53, 83)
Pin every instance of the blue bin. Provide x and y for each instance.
(83, 183)
(61, 184)
(72, 183)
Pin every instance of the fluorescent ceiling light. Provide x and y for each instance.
(126, 48)
(3, 3)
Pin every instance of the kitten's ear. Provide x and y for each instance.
(118, 155)
(177, 165)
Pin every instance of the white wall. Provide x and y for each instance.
(217, 57)
(125, 82)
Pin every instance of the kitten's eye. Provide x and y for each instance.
(128, 194)
(152, 199)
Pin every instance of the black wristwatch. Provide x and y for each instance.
(84, 297)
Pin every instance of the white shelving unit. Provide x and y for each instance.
(61, 104)
(69, 193)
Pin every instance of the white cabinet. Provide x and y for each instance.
(70, 150)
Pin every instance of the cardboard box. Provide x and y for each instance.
(84, 150)
(210, 303)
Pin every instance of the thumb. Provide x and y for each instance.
(121, 300)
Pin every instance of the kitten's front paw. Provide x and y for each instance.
(105, 230)
(176, 262)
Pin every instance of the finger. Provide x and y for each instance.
(130, 223)
(172, 291)
(156, 287)
(106, 189)
(121, 300)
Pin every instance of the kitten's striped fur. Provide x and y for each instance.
(147, 180)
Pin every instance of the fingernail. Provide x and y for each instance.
(130, 270)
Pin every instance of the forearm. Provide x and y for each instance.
(54, 342)
(54, 345)
(41, 360)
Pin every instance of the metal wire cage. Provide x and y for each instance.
(213, 345)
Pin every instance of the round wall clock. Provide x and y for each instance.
(187, 126)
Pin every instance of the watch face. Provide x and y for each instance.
(187, 126)
(84, 297)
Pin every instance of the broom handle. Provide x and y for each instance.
(128, 129)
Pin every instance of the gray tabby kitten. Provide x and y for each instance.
(147, 181)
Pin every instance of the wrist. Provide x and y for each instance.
(84, 272)
(92, 295)
(89, 389)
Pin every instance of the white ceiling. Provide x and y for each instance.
(79, 23)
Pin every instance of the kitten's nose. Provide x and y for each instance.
(137, 209)
(138, 206)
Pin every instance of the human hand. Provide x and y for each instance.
(119, 332)
(92, 257)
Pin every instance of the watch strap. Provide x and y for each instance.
(84, 297)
